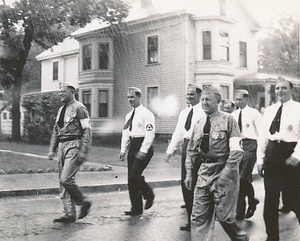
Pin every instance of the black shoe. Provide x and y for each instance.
(133, 213)
(64, 219)
(186, 227)
(85, 209)
(150, 201)
(284, 209)
(251, 209)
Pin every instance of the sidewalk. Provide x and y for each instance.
(104, 181)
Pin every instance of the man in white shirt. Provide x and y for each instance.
(249, 120)
(137, 136)
(187, 118)
(278, 155)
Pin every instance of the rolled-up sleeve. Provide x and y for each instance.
(149, 125)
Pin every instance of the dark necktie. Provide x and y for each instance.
(60, 122)
(240, 121)
(129, 122)
(275, 126)
(205, 140)
(188, 122)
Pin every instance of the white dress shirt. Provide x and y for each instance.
(143, 125)
(289, 128)
(251, 121)
(180, 132)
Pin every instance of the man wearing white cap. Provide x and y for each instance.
(71, 137)
(216, 141)
(187, 118)
(249, 121)
(137, 137)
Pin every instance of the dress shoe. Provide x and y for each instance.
(85, 209)
(65, 219)
(251, 209)
(284, 209)
(133, 213)
(186, 227)
(149, 201)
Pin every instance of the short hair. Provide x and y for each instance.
(244, 93)
(136, 90)
(196, 87)
(281, 79)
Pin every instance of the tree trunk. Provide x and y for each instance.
(16, 98)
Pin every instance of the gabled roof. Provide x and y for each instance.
(67, 47)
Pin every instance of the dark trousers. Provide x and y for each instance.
(137, 185)
(278, 177)
(188, 195)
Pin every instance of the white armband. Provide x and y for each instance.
(85, 123)
(235, 144)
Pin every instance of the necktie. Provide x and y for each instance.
(60, 122)
(129, 122)
(275, 126)
(188, 122)
(205, 140)
(240, 121)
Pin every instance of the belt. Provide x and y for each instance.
(71, 138)
(213, 160)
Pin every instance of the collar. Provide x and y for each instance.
(70, 102)
(285, 103)
(216, 113)
(137, 108)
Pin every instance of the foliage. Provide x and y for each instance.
(40, 115)
(44, 22)
(279, 51)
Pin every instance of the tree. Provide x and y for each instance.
(279, 51)
(43, 22)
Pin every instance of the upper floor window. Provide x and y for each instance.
(224, 89)
(152, 98)
(103, 55)
(222, 7)
(87, 56)
(87, 99)
(55, 71)
(243, 54)
(152, 49)
(206, 45)
(224, 46)
(103, 103)
(4, 115)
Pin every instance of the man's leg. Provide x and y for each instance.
(241, 205)
(202, 219)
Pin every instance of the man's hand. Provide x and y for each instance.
(167, 157)
(50, 155)
(122, 156)
(188, 182)
(140, 155)
(81, 158)
(292, 161)
(260, 169)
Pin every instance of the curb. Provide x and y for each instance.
(86, 189)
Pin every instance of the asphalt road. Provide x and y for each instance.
(30, 218)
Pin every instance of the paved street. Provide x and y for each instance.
(30, 218)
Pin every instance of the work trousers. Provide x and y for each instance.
(137, 185)
(278, 177)
(68, 166)
(246, 169)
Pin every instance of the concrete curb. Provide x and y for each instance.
(86, 189)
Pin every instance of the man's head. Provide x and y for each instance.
(134, 96)
(210, 99)
(242, 98)
(66, 92)
(193, 94)
(228, 106)
(283, 90)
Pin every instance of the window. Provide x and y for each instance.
(152, 99)
(206, 45)
(10, 115)
(4, 116)
(224, 51)
(152, 48)
(103, 56)
(223, 7)
(243, 54)
(103, 103)
(87, 99)
(55, 71)
(224, 89)
(87, 57)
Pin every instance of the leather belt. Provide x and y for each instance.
(213, 160)
(71, 138)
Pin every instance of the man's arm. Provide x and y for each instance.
(86, 137)
(53, 143)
